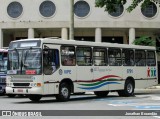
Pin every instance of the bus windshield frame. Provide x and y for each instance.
(25, 61)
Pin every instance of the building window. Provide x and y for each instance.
(14, 9)
(149, 11)
(119, 10)
(81, 8)
(47, 8)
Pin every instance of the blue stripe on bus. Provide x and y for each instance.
(95, 87)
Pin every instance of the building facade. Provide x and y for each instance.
(50, 18)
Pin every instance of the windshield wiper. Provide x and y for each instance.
(25, 57)
(17, 55)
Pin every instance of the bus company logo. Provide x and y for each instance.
(67, 71)
(151, 72)
(60, 72)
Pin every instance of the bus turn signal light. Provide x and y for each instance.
(39, 85)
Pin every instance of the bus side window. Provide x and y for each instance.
(99, 57)
(151, 61)
(68, 56)
(140, 58)
(128, 57)
(50, 61)
(114, 56)
(84, 56)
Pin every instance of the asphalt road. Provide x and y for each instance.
(112, 104)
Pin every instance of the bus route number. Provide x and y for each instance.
(129, 71)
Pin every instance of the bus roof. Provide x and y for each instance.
(55, 40)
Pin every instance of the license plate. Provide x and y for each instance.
(20, 90)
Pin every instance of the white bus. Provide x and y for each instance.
(48, 66)
(3, 70)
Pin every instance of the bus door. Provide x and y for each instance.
(84, 69)
(50, 67)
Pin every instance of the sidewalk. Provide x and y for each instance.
(155, 87)
(152, 89)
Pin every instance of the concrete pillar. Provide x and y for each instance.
(131, 35)
(1, 38)
(98, 35)
(30, 33)
(64, 33)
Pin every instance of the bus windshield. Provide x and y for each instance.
(3, 65)
(24, 61)
(3, 60)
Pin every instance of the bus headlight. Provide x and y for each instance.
(9, 84)
(35, 84)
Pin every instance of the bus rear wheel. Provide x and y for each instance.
(64, 92)
(128, 89)
(101, 93)
(35, 98)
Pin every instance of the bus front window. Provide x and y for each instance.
(3, 65)
(31, 62)
(13, 56)
(27, 61)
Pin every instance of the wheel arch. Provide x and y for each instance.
(69, 82)
(131, 79)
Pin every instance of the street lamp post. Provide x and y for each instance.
(71, 29)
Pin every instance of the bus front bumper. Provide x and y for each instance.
(33, 90)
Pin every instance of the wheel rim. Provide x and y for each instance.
(65, 92)
(129, 88)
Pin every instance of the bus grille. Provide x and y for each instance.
(21, 84)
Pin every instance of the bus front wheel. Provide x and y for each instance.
(128, 89)
(64, 92)
(35, 98)
(101, 93)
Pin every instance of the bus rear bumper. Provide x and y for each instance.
(34, 90)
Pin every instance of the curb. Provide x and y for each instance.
(154, 87)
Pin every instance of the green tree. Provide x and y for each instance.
(109, 5)
(144, 40)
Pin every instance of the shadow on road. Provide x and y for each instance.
(72, 99)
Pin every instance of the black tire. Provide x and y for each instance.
(64, 93)
(2, 92)
(11, 95)
(101, 93)
(35, 98)
(128, 89)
